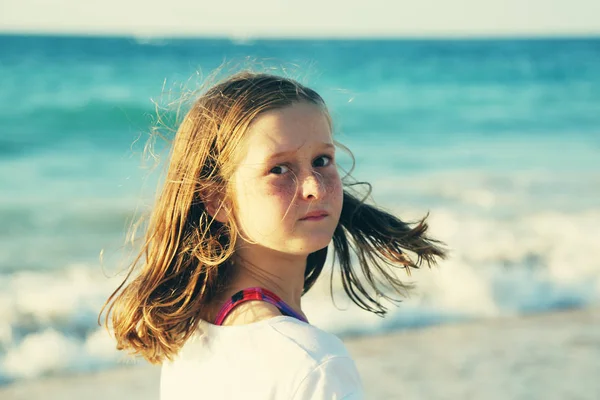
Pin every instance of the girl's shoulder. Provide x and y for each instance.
(309, 336)
(316, 343)
(278, 336)
(324, 368)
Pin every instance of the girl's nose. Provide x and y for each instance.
(312, 187)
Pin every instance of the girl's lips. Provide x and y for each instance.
(314, 216)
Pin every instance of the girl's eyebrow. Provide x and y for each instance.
(324, 146)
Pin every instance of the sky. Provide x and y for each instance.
(303, 18)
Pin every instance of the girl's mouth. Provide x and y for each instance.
(315, 216)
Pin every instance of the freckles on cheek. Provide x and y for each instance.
(286, 188)
(333, 185)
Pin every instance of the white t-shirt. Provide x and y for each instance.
(275, 358)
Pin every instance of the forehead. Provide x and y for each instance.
(294, 128)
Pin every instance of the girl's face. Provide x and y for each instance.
(287, 173)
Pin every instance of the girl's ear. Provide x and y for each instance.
(217, 208)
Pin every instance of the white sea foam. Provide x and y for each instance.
(52, 322)
(40, 353)
(496, 267)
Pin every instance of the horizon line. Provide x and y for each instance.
(260, 37)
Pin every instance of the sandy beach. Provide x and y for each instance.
(546, 356)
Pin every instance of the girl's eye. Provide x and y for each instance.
(322, 161)
(279, 169)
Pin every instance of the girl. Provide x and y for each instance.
(240, 232)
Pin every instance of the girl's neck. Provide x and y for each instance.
(253, 266)
(282, 274)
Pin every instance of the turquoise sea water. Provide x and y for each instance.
(498, 139)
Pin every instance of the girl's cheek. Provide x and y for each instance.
(282, 187)
(333, 183)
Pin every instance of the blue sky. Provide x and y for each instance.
(308, 18)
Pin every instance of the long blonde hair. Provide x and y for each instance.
(185, 257)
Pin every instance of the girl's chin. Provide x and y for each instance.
(310, 246)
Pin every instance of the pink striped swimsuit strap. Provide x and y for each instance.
(256, 293)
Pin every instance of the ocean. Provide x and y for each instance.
(498, 140)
